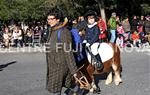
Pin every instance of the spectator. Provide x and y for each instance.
(17, 36)
(120, 35)
(28, 37)
(102, 26)
(7, 37)
(141, 26)
(81, 23)
(147, 28)
(112, 25)
(119, 41)
(118, 20)
(134, 24)
(136, 39)
(126, 26)
(1, 26)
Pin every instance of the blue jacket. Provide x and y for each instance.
(76, 44)
(92, 34)
(76, 36)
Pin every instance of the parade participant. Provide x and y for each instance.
(60, 63)
(76, 38)
(92, 36)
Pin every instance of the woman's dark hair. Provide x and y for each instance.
(57, 13)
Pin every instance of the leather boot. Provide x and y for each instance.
(100, 65)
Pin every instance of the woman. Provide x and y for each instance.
(126, 26)
(60, 60)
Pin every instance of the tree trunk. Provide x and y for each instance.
(102, 11)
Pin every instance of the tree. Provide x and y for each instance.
(21, 9)
(37, 9)
(133, 7)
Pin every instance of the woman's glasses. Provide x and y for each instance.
(51, 18)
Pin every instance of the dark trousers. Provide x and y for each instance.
(28, 40)
(16, 41)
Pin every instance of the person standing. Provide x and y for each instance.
(61, 64)
(141, 27)
(134, 24)
(127, 27)
(112, 25)
(147, 28)
(102, 26)
(1, 27)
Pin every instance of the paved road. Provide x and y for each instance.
(24, 73)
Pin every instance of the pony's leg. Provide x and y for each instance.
(90, 70)
(93, 86)
(117, 77)
(109, 78)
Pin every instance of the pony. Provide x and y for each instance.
(112, 67)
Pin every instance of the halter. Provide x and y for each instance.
(82, 80)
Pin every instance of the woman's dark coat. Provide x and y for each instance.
(60, 64)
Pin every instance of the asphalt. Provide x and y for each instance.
(24, 73)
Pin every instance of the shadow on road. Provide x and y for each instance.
(7, 64)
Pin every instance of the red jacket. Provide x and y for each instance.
(102, 25)
(135, 37)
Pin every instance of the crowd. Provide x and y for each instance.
(124, 32)
(133, 32)
(19, 35)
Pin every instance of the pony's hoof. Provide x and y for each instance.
(91, 90)
(108, 82)
(117, 82)
(97, 91)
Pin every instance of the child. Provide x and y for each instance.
(120, 35)
(102, 26)
(120, 29)
(136, 39)
(119, 41)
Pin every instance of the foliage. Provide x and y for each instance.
(37, 9)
